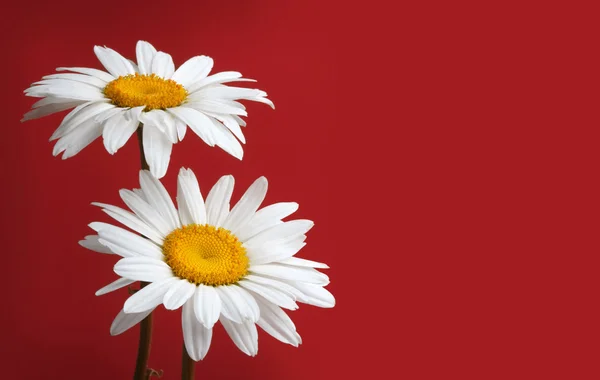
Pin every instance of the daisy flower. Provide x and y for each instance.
(235, 266)
(112, 104)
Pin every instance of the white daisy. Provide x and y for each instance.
(112, 104)
(234, 266)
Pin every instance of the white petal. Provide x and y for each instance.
(239, 120)
(192, 70)
(114, 62)
(275, 251)
(229, 93)
(145, 54)
(249, 309)
(91, 242)
(244, 335)
(229, 303)
(233, 103)
(272, 295)
(94, 72)
(170, 125)
(120, 283)
(281, 232)
(225, 140)
(214, 106)
(291, 273)
(88, 79)
(161, 120)
(132, 221)
(277, 285)
(189, 199)
(134, 65)
(143, 269)
(197, 121)
(76, 140)
(119, 128)
(125, 321)
(230, 123)
(298, 262)
(314, 295)
(222, 77)
(60, 82)
(262, 99)
(133, 114)
(265, 218)
(145, 212)
(149, 296)
(207, 305)
(179, 293)
(230, 101)
(244, 210)
(196, 337)
(67, 89)
(118, 250)
(159, 198)
(275, 212)
(74, 112)
(162, 65)
(217, 201)
(125, 243)
(277, 323)
(53, 100)
(49, 109)
(140, 193)
(180, 126)
(157, 150)
(112, 131)
(84, 113)
(105, 115)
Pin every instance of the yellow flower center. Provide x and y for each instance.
(145, 90)
(203, 254)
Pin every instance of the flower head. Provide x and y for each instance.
(112, 104)
(235, 266)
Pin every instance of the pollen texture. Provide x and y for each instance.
(203, 254)
(145, 90)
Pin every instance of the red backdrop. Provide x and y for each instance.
(447, 151)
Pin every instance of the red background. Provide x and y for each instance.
(447, 151)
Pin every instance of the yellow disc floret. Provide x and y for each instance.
(145, 90)
(203, 254)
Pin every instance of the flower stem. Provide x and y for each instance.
(141, 144)
(187, 366)
(142, 372)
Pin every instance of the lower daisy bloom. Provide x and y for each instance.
(235, 266)
(113, 103)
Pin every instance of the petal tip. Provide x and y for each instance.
(96, 226)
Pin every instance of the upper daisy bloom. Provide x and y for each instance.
(234, 266)
(152, 92)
